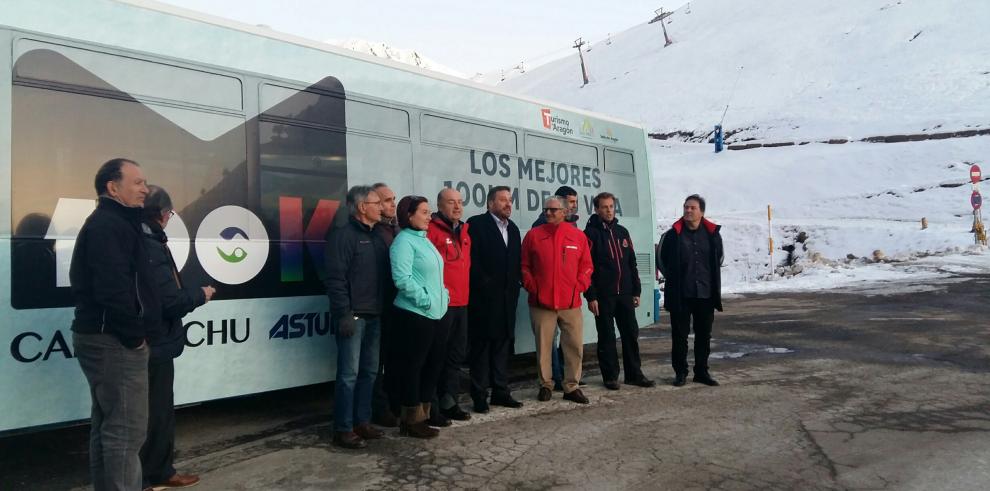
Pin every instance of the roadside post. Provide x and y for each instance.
(770, 238)
(976, 200)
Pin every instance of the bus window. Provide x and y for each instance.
(60, 138)
(467, 135)
(330, 110)
(124, 76)
(561, 151)
(620, 180)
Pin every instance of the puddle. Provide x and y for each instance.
(739, 350)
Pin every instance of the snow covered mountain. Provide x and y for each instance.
(407, 56)
(879, 106)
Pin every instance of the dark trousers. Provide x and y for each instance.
(423, 342)
(456, 324)
(489, 362)
(699, 314)
(385, 397)
(158, 452)
(118, 385)
(618, 311)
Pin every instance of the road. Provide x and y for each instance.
(878, 388)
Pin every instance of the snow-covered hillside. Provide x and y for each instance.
(407, 56)
(813, 72)
(811, 69)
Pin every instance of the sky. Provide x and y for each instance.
(468, 36)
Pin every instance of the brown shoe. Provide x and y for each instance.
(178, 481)
(576, 396)
(413, 423)
(368, 432)
(348, 439)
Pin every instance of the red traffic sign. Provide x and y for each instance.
(976, 200)
(974, 174)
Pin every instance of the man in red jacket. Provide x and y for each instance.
(556, 270)
(450, 236)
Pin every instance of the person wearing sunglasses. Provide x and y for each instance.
(450, 236)
(556, 270)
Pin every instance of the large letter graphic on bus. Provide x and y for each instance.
(292, 236)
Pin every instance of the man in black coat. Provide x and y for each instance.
(690, 255)
(113, 292)
(495, 283)
(358, 278)
(166, 338)
(614, 294)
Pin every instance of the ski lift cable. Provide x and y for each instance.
(732, 94)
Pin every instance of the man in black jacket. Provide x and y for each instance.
(385, 402)
(166, 339)
(614, 294)
(113, 294)
(357, 277)
(690, 255)
(495, 281)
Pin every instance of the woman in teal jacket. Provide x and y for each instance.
(417, 270)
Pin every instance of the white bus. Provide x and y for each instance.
(258, 132)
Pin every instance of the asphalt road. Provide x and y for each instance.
(884, 387)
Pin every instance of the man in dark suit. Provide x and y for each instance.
(495, 282)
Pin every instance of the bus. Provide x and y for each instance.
(260, 131)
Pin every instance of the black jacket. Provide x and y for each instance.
(669, 264)
(614, 259)
(353, 252)
(165, 335)
(111, 281)
(496, 278)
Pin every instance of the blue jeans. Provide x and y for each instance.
(357, 367)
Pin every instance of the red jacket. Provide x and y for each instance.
(456, 252)
(556, 266)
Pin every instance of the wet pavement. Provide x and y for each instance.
(883, 388)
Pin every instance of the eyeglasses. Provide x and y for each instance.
(171, 213)
(551, 210)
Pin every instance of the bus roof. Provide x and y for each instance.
(329, 48)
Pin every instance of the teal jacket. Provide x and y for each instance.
(417, 270)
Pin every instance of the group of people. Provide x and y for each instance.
(415, 294)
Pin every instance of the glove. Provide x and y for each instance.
(346, 327)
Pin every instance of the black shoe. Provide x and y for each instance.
(680, 379)
(576, 396)
(480, 406)
(544, 395)
(456, 413)
(612, 384)
(706, 379)
(438, 420)
(506, 401)
(643, 382)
